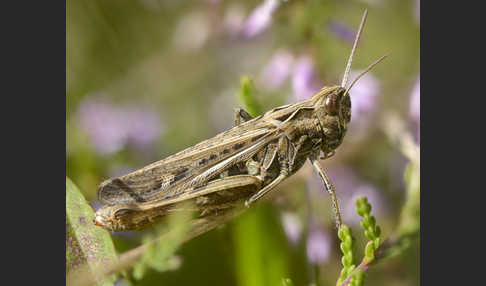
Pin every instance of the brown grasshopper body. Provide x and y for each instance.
(281, 140)
(239, 165)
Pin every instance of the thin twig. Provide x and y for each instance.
(381, 252)
(363, 266)
(129, 258)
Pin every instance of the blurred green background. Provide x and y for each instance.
(148, 78)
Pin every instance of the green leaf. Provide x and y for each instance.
(368, 235)
(410, 215)
(159, 254)
(377, 231)
(348, 242)
(247, 98)
(89, 248)
(261, 252)
(364, 224)
(287, 282)
(377, 242)
(372, 221)
(359, 278)
(369, 252)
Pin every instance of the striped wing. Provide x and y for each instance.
(195, 165)
(188, 168)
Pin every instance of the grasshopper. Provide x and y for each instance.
(238, 166)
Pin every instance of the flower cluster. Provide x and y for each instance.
(414, 109)
(292, 227)
(260, 18)
(318, 246)
(110, 127)
(349, 187)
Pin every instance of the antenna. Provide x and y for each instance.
(364, 72)
(356, 40)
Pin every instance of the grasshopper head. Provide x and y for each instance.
(333, 110)
(338, 103)
(332, 106)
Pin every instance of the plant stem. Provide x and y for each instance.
(130, 257)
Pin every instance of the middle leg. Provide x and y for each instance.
(282, 151)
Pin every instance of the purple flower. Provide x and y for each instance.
(342, 31)
(122, 282)
(277, 70)
(100, 121)
(318, 246)
(233, 19)
(348, 187)
(260, 18)
(143, 126)
(416, 11)
(110, 128)
(369, 191)
(414, 110)
(292, 227)
(120, 170)
(192, 32)
(364, 94)
(364, 99)
(342, 177)
(304, 83)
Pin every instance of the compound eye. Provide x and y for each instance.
(332, 104)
